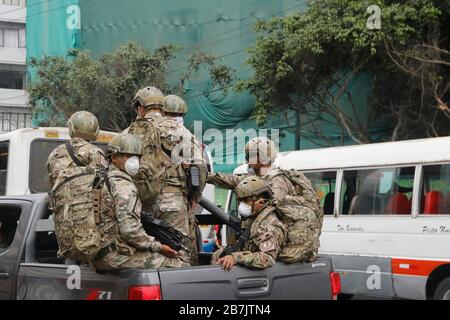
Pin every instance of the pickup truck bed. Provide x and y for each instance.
(29, 269)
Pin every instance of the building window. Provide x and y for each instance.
(22, 39)
(21, 3)
(11, 80)
(12, 38)
(10, 121)
(378, 191)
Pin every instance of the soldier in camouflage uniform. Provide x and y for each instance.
(124, 241)
(260, 153)
(184, 148)
(83, 127)
(267, 233)
(297, 203)
(172, 205)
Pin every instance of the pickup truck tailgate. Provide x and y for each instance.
(282, 281)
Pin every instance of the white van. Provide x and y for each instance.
(387, 214)
(24, 153)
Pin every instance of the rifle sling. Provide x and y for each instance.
(75, 159)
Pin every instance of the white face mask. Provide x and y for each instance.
(132, 166)
(244, 210)
(180, 120)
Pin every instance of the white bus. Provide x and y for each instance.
(387, 214)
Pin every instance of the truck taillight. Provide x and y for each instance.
(335, 283)
(144, 293)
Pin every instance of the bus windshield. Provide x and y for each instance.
(40, 150)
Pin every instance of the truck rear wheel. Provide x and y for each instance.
(443, 290)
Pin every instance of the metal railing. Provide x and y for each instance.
(10, 121)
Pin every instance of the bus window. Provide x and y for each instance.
(40, 150)
(4, 148)
(435, 191)
(324, 183)
(377, 191)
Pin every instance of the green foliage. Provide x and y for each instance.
(107, 86)
(299, 58)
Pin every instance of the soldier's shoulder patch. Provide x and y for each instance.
(267, 245)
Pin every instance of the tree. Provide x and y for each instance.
(305, 62)
(107, 86)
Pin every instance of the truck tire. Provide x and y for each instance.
(443, 290)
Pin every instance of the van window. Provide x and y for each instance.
(325, 184)
(9, 218)
(377, 191)
(40, 150)
(435, 191)
(4, 151)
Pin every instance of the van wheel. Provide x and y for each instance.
(443, 290)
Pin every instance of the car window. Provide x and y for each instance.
(9, 218)
(4, 151)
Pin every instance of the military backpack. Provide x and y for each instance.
(303, 217)
(75, 202)
(148, 181)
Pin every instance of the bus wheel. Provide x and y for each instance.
(443, 290)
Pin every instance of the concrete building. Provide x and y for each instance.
(14, 111)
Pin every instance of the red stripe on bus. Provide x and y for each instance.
(415, 267)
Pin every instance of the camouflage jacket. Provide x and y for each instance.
(277, 181)
(60, 159)
(267, 237)
(120, 221)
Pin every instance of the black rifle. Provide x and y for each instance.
(164, 233)
(229, 221)
(219, 213)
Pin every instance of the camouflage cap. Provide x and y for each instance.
(126, 143)
(84, 125)
(251, 187)
(149, 97)
(263, 147)
(175, 104)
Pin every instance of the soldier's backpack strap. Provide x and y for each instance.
(59, 186)
(75, 159)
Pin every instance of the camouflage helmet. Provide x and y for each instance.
(251, 187)
(84, 125)
(175, 104)
(149, 96)
(126, 143)
(263, 147)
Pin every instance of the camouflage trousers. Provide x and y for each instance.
(139, 260)
(173, 208)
